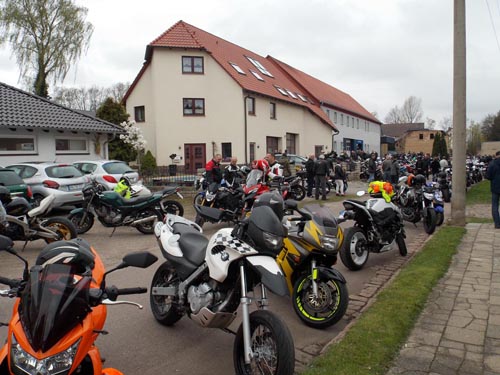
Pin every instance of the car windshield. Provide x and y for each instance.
(63, 171)
(54, 301)
(8, 178)
(117, 168)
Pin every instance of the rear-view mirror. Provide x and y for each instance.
(140, 259)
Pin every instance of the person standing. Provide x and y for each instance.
(386, 167)
(276, 170)
(339, 177)
(493, 174)
(320, 172)
(394, 172)
(231, 172)
(212, 168)
(285, 163)
(435, 168)
(372, 167)
(310, 174)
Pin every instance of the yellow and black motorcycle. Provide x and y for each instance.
(319, 291)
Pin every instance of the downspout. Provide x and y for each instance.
(105, 144)
(246, 127)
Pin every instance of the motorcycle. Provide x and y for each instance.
(415, 202)
(209, 279)
(60, 310)
(290, 187)
(112, 210)
(437, 202)
(378, 226)
(22, 223)
(444, 186)
(319, 292)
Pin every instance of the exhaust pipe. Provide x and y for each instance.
(144, 220)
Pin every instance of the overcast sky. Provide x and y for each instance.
(379, 52)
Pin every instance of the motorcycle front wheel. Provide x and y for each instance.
(354, 252)
(400, 240)
(298, 192)
(164, 308)
(429, 218)
(271, 343)
(63, 227)
(199, 198)
(439, 218)
(173, 207)
(148, 227)
(324, 310)
(82, 225)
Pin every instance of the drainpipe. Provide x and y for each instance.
(105, 149)
(246, 128)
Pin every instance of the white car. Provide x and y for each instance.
(64, 181)
(107, 172)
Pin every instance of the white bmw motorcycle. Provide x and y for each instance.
(209, 279)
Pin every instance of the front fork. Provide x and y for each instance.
(314, 274)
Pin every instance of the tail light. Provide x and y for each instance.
(29, 192)
(110, 179)
(51, 184)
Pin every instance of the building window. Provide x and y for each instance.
(291, 141)
(226, 151)
(432, 136)
(193, 107)
(420, 136)
(256, 75)
(357, 123)
(71, 145)
(237, 68)
(139, 114)
(335, 116)
(341, 119)
(251, 106)
(17, 145)
(192, 65)
(272, 111)
(259, 66)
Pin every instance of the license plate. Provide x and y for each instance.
(75, 187)
(158, 227)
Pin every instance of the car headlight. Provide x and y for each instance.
(273, 241)
(329, 243)
(53, 365)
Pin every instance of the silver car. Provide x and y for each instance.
(107, 172)
(64, 181)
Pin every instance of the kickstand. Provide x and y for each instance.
(111, 235)
(24, 247)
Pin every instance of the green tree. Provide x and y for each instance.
(115, 112)
(148, 163)
(474, 138)
(436, 145)
(491, 128)
(47, 37)
(443, 147)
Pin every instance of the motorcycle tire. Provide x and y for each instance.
(298, 192)
(62, 226)
(400, 240)
(327, 309)
(271, 338)
(149, 227)
(164, 308)
(446, 195)
(429, 219)
(439, 219)
(173, 207)
(82, 227)
(199, 220)
(354, 253)
(198, 199)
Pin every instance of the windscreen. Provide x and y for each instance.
(254, 177)
(323, 217)
(53, 302)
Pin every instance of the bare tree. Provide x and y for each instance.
(394, 116)
(430, 123)
(47, 37)
(410, 112)
(89, 99)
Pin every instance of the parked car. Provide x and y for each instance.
(297, 161)
(15, 184)
(107, 172)
(63, 180)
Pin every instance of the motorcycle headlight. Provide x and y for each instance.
(272, 241)
(429, 196)
(53, 365)
(329, 243)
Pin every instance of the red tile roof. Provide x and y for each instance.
(325, 93)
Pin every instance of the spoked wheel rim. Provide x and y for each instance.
(357, 248)
(62, 230)
(264, 348)
(163, 304)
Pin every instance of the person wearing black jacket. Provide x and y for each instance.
(320, 173)
(310, 174)
(493, 174)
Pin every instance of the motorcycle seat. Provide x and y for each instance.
(169, 190)
(135, 200)
(181, 228)
(193, 245)
(362, 203)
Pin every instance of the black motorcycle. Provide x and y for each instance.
(444, 186)
(113, 210)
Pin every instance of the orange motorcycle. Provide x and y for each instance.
(60, 309)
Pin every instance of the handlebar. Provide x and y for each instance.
(13, 283)
(113, 292)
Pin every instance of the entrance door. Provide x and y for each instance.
(194, 156)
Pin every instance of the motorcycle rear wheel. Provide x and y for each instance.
(149, 227)
(62, 226)
(272, 346)
(325, 310)
(429, 219)
(163, 307)
(82, 227)
(400, 240)
(439, 218)
(354, 252)
(298, 192)
(446, 195)
(173, 207)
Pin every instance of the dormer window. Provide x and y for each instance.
(192, 65)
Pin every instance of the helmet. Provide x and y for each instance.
(75, 252)
(5, 195)
(245, 169)
(271, 199)
(419, 180)
(125, 180)
(263, 165)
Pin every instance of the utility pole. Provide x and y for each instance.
(459, 115)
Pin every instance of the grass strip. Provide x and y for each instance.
(372, 343)
(479, 193)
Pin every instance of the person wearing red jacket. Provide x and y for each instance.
(213, 171)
